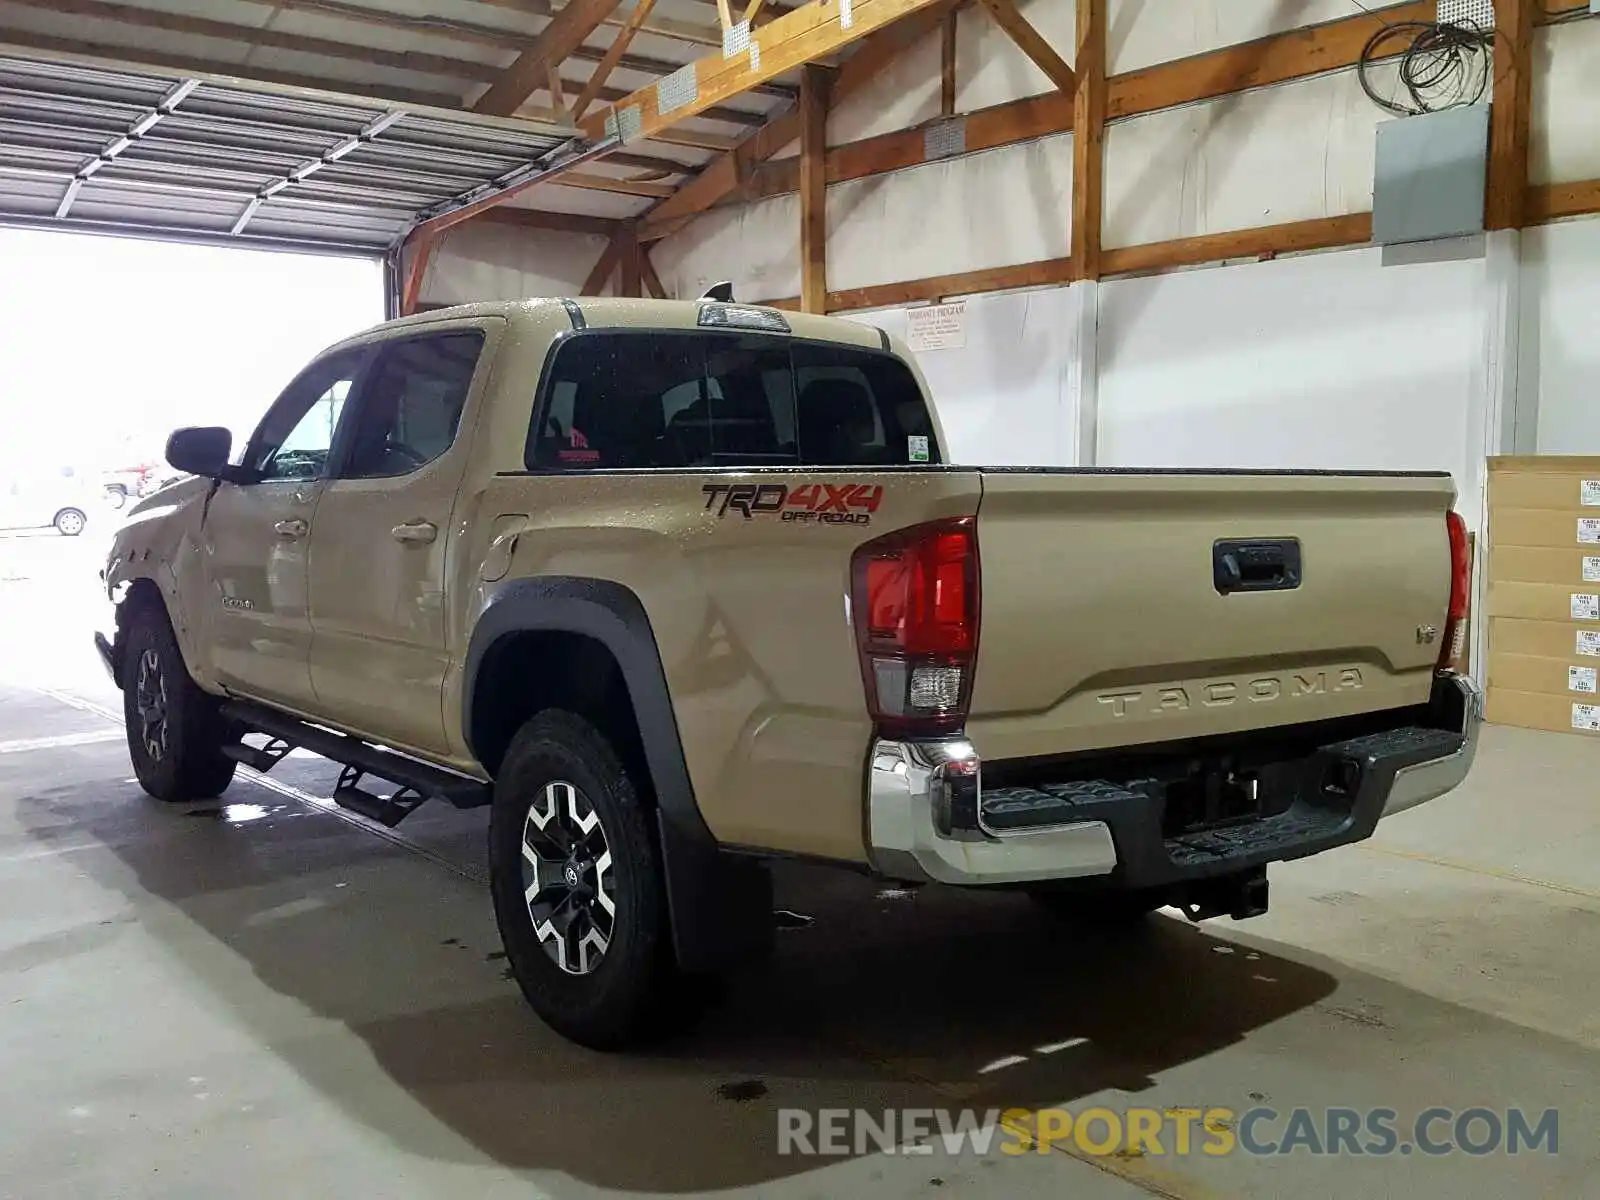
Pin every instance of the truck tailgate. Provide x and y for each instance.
(1122, 608)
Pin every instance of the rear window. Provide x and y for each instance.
(696, 399)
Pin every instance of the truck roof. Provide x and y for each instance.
(613, 312)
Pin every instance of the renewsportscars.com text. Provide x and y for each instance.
(1176, 1132)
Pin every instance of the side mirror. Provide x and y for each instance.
(201, 450)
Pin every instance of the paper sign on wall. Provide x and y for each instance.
(1586, 716)
(1581, 679)
(1589, 642)
(1585, 606)
(944, 327)
(1589, 530)
(1591, 568)
(1589, 492)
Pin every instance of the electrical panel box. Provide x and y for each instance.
(1430, 176)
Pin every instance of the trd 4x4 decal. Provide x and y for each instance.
(824, 503)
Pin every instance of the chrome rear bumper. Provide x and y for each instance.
(927, 810)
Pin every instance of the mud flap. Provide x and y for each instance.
(720, 903)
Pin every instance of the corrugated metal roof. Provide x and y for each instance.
(87, 144)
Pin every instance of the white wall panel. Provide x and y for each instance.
(1558, 352)
(1565, 144)
(1330, 361)
(903, 94)
(1005, 206)
(484, 261)
(1287, 153)
(1140, 33)
(757, 246)
(989, 67)
(1004, 397)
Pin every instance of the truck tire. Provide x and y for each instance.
(579, 893)
(1107, 908)
(175, 731)
(69, 522)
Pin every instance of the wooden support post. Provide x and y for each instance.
(652, 280)
(605, 267)
(1506, 197)
(813, 189)
(947, 66)
(416, 270)
(631, 283)
(1088, 139)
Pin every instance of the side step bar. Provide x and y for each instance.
(418, 782)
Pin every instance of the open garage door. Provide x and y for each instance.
(90, 145)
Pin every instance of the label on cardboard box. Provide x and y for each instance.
(1588, 531)
(1581, 679)
(1591, 568)
(1585, 606)
(1589, 492)
(1589, 642)
(1586, 716)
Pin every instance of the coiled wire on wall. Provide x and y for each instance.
(1440, 66)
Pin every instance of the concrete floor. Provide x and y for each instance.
(270, 997)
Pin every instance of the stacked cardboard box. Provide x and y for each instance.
(1544, 593)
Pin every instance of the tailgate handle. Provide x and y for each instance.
(1256, 565)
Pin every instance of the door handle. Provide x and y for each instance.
(415, 531)
(1271, 565)
(292, 528)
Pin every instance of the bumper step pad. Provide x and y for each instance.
(1329, 797)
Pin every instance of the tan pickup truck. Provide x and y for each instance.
(678, 587)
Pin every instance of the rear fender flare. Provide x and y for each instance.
(712, 896)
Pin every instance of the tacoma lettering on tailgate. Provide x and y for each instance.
(825, 503)
(1223, 692)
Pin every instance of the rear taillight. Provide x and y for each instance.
(914, 602)
(1455, 625)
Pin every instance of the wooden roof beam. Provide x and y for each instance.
(679, 31)
(552, 47)
(646, 65)
(717, 112)
(612, 183)
(802, 35)
(724, 175)
(552, 222)
(612, 56)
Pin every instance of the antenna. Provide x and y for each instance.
(719, 291)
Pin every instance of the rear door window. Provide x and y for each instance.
(662, 399)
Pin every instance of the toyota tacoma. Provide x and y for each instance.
(678, 587)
